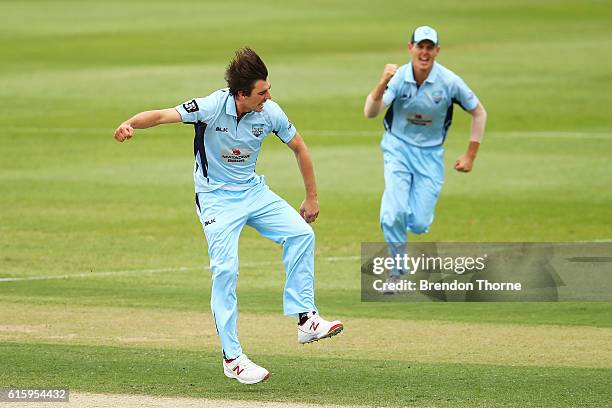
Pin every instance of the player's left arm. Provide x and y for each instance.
(479, 119)
(309, 209)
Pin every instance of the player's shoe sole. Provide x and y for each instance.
(335, 329)
(234, 377)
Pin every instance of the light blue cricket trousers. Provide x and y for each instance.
(413, 179)
(223, 214)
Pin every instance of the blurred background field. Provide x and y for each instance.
(73, 201)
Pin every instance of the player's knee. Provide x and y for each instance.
(392, 220)
(306, 232)
(419, 226)
(225, 267)
(303, 234)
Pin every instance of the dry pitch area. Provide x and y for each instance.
(78, 400)
(385, 339)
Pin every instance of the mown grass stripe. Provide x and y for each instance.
(337, 380)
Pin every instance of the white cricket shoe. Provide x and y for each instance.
(245, 371)
(390, 285)
(317, 328)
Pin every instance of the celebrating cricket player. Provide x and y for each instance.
(230, 126)
(420, 97)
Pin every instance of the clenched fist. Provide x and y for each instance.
(388, 72)
(124, 132)
(464, 164)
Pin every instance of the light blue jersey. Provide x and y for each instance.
(422, 115)
(226, 149)
(230, 195)
(416, 125)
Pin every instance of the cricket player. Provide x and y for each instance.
(420, 97)
(230, 126)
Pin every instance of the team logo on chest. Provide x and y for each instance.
(258, 129)
(437, 96)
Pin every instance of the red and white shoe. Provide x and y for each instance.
(317, 328)
(245, 371)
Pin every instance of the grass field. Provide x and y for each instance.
(132, 317)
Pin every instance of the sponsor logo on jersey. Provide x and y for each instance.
(208, 222)
(258, 129)
(220, 129)
(191, 106)
(419, 119)
(235, 155)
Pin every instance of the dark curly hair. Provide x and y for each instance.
(244, 70)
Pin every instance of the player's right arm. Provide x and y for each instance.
(145, 120)
(374, 103)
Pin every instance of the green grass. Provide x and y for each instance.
(319, 380)
(74, 201)
(260, 291)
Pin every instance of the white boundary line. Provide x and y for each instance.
(554, 135)
(158, 270)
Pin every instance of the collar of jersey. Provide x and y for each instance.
(431, 78)
(230, 105)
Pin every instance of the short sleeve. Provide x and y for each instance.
(281, 125)
(198, 109)
(393, 88)
(464, 95)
